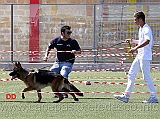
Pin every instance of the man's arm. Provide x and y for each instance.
(46, 54)
(76, 52)
(146, 42)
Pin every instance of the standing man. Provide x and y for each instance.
(142, 60)
(66, 48)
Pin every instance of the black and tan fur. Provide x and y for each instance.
(41, 79)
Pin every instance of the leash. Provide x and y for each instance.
(74, 58)
(46, 66)
(118, 43)
(122, 60)
(130, 48)
(53, 63)
(33, 70)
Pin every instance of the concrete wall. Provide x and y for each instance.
(80, 17)
(50, 1)
(51, 18)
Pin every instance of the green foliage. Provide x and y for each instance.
(91, 106)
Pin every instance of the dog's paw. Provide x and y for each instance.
(79, 94)
(23, 97)
(37, 101)
(76, 99)
(56, 101)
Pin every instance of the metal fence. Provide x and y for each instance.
(25, 34)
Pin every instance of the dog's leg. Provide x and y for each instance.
(59, 95)
(71, 87)
(25, 90)
(73, 95)
(39, 95)
(56, 87)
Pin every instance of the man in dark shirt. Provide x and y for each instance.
(66, 47)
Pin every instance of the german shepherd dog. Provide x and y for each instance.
(43, 78)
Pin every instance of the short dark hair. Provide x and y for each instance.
(63, 28)
(139, 14)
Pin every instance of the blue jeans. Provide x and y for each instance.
(64, 68)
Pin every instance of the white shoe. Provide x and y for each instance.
(151, 100)
(122, 98)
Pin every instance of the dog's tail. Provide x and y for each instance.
(70, 87)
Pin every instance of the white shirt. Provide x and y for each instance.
(145, 33)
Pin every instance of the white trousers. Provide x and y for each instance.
(144, 65)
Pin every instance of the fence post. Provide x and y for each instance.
(11, 44)
(95, 41)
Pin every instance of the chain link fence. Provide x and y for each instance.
(97, 28)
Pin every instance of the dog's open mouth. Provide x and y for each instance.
(15, 73)
(13, 77)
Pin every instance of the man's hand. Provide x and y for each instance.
(132, 50)
(75, 52)
(45, 59)
(131, 41)
(128, 40)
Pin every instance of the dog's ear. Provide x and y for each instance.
(15, 63)
(19, 65)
